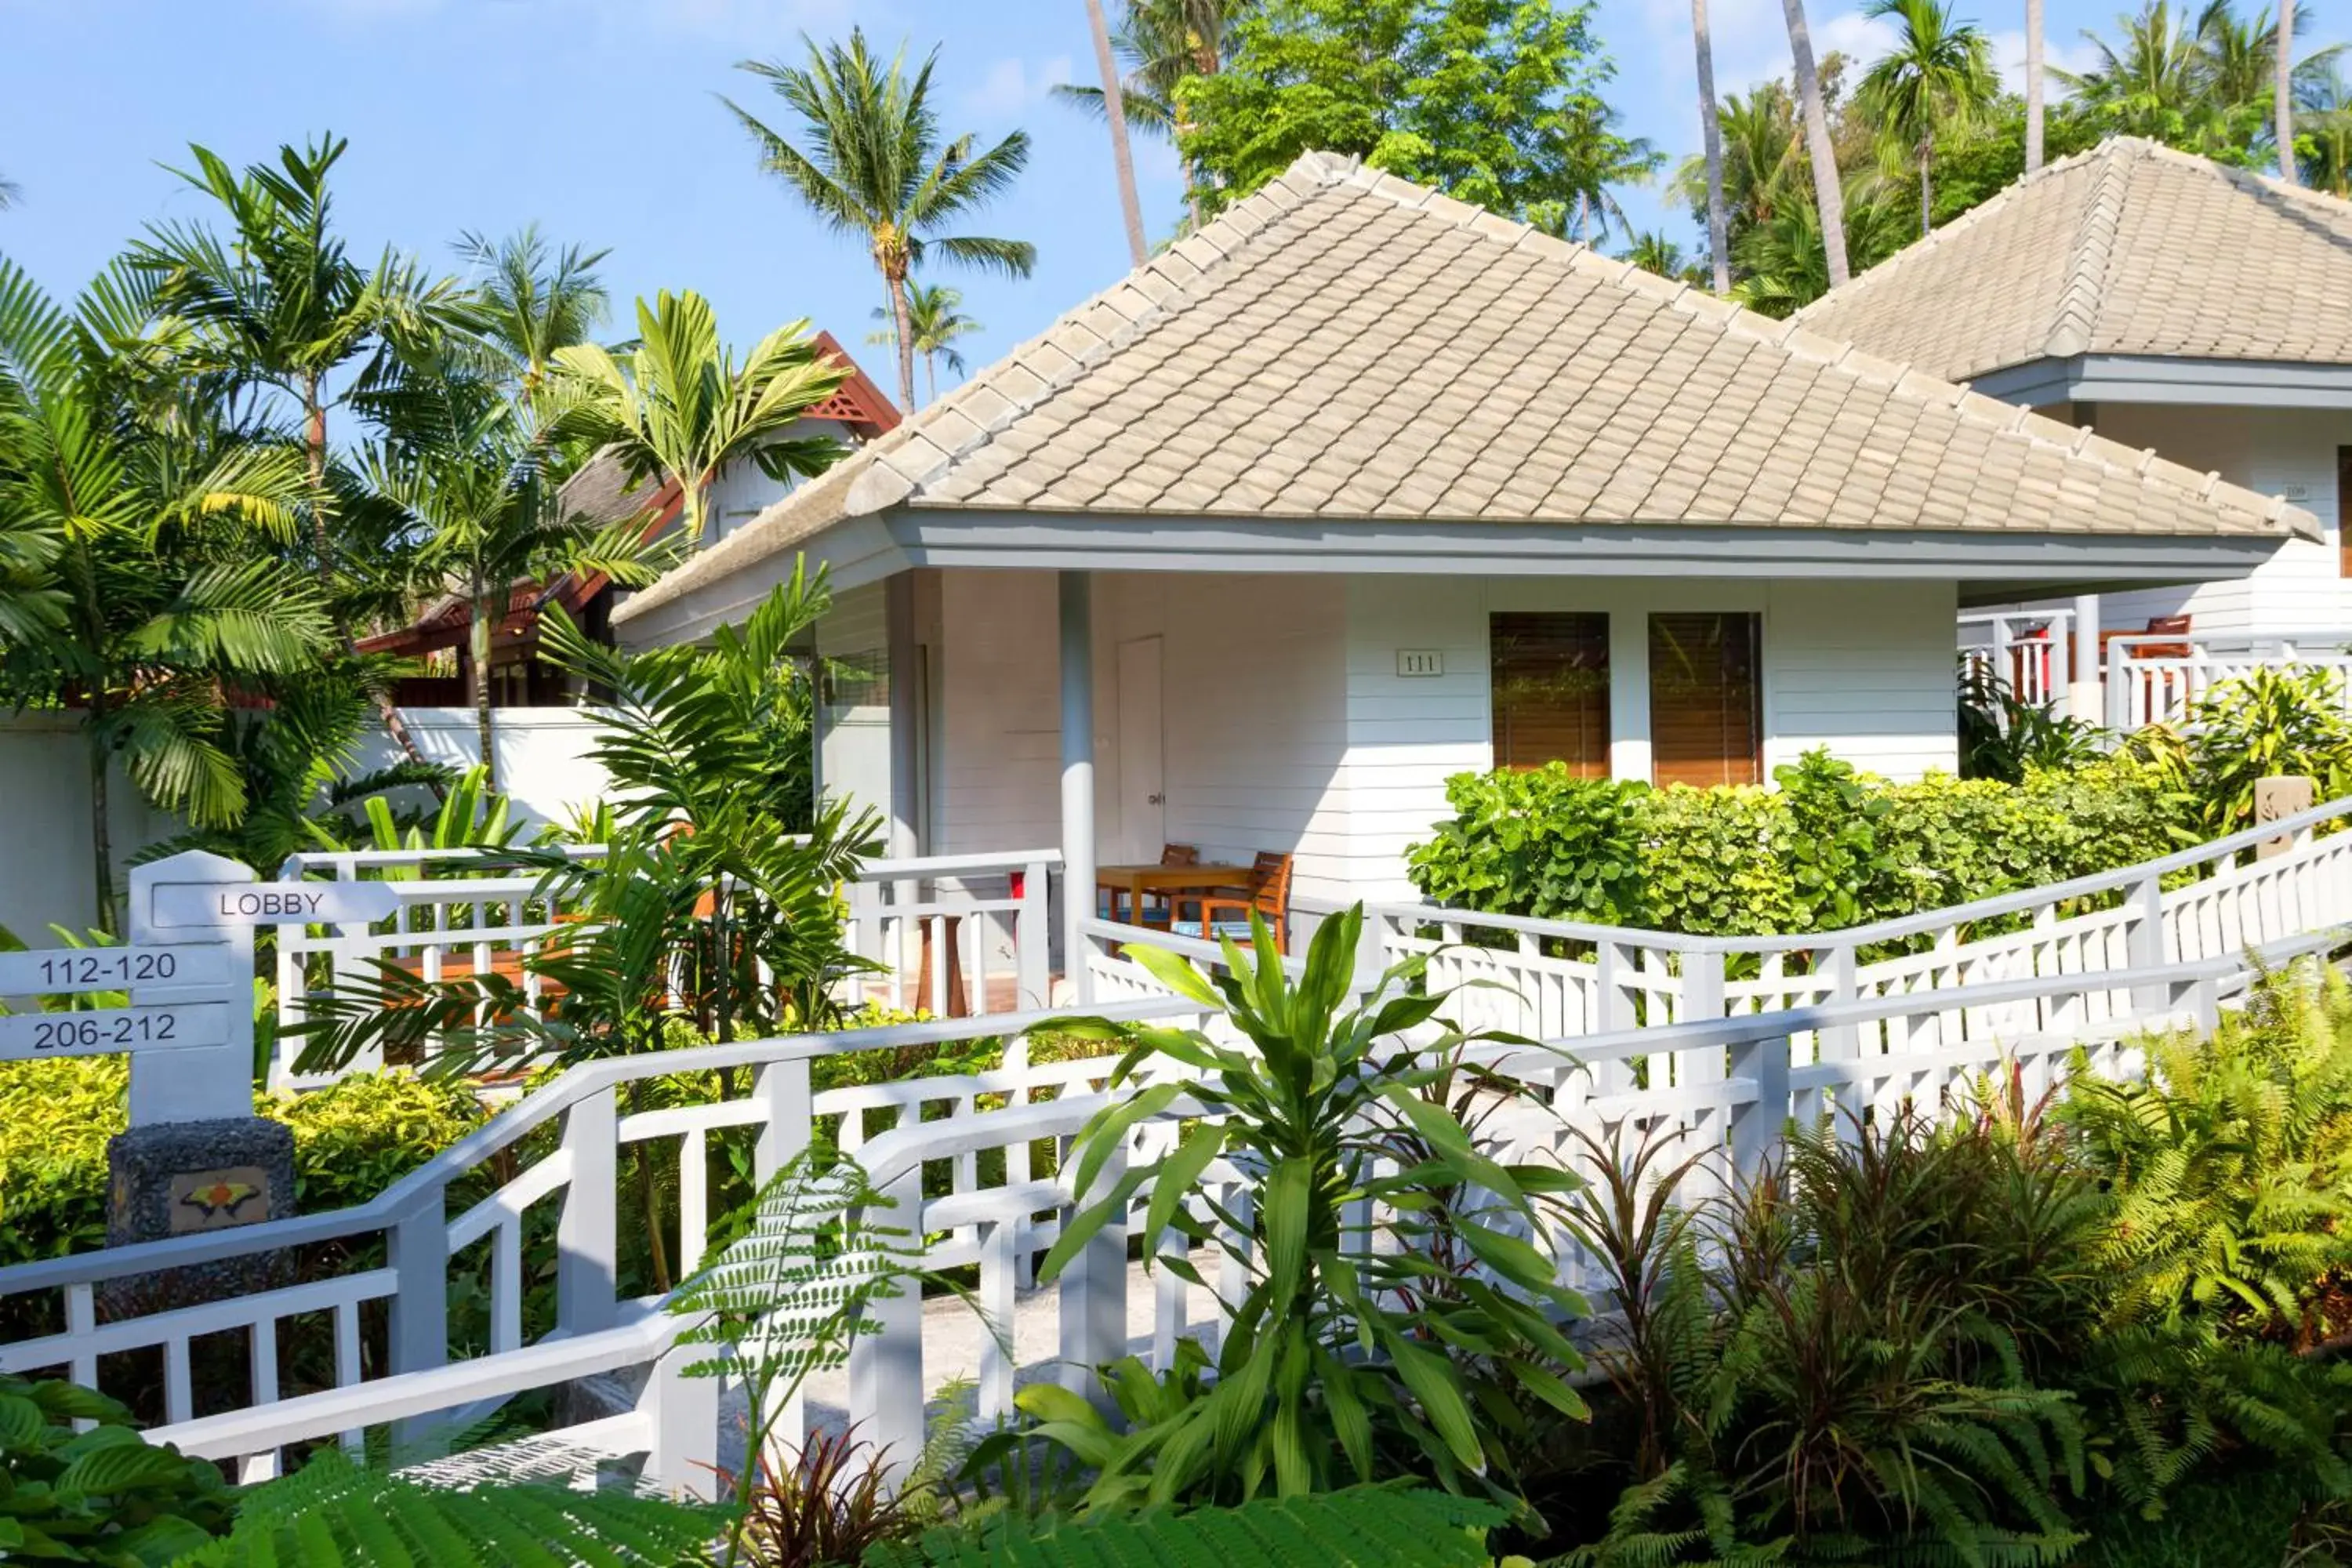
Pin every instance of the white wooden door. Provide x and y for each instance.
(1142, 785)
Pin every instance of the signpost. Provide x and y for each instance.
(177, 906)
(36, 1037)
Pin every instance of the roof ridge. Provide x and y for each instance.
(1927, 245)
(2093, 252)
(1793, 337)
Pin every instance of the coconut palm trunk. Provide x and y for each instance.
(485, 624)
(2285, 93)
(905, 330)
(1926, 188)
(1122, 156)
(1819, 150)
(102, 836)
(2033, 85)
(1719, 217)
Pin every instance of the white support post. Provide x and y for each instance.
(1756, 1127)
(587, 1237)
(1093, 1296)
(782, 1089)
(1630, 755)
(2119, 692)
(1839, 1042)
(1077, 627)
(1033, 939)
(418, 1253)
(213, 1082)
(2144, 942)
(683, 1412)
(886, 1361)
(2084, 700)
(906, 716)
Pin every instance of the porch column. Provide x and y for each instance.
(906, 713)
(1077, 775)
(2085, 696)
(1629, 694)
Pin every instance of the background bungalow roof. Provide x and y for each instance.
(2128, 248)
(1346, 346)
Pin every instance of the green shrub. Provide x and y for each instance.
(351, 1140)
(102, 1496)
(1830, 848)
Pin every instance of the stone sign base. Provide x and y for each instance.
(177, 1178)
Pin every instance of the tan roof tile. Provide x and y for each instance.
(2130, 248)
(1355, 347)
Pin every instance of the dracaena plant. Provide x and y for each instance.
(1399, 1308)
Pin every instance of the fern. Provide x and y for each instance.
(1361, 1527)
(333, 1513)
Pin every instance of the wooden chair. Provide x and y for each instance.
(1226, 911)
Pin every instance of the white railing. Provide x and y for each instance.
(2031, 654)
(953, 935)
(1717, 1040)
(1730, 1087)
(1561, 979)
(2159, 678)
(562, 1210)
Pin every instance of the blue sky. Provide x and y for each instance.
(600, 119)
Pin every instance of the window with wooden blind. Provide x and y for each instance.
(1550, 677)
(2344, 511)
(1706, 698)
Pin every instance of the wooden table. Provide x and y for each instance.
(1138, 881)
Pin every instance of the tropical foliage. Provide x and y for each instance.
(1330, 1370)
(1494, 102)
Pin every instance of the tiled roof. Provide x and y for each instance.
(2128, 248)
(1346, 346)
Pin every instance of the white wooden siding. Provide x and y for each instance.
(852, 758)
(2278, 451)
(1865, 670)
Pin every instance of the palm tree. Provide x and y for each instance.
(2327, 105)
(2282, 126)
(2033, 84)
(1164, 41)
(11, 194)
(678, 408)
(2153, 84)
(133, 528)
(1718, 219)
(529, 300)
(876, 168)
(1939, 76)
(476, 471)
(1122, 157)
(1653, 252)
(1823, 155)
(281, 307)
(1591, 159)
(935, 315)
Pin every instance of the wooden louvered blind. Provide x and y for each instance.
(1706, 706)
(1551, 690)
(2344, 511)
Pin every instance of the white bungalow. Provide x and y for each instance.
(2174, 303)
(1360, 488)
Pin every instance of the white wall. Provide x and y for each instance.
(1864, 668)
(1285, 725)
(45, 849)
(45, 858)
(2277, 451)
(543, 766)
(853, 760)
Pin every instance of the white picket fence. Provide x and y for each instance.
(2031, 654)
(1894, 1015)
(2150, 680)
(952, 934)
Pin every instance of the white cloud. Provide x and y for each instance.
(1013, 85)
(2008, 58)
